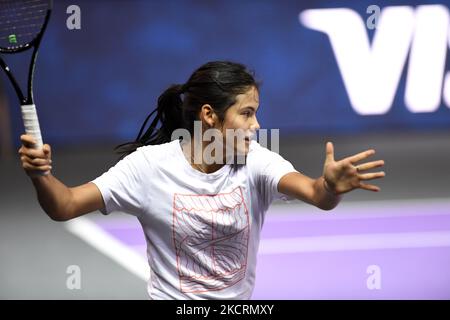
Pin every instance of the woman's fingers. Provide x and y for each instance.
(36, 164)
(329, 152)
(47, 151)
(28, 148)
(360, 156)
(370, 176)
(28, 140)
(36, 161)
(352, 176)
(32, 153)
(370, 165)
(29, 167)
(369, 187)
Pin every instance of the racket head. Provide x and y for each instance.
(22, 23)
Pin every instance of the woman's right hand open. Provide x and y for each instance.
(35, 162)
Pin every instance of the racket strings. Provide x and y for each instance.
(24, 2)
(25, 19)
(17, 13)
(24, 14)
(14, 28)
(21, 21)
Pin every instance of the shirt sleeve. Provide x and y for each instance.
(121, 186)
(267, 168)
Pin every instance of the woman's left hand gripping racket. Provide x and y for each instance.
(22, 25)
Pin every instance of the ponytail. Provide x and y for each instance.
(168, 113)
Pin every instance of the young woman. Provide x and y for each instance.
(202, 219)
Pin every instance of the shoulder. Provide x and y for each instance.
(259, 153)
(261, 160)
(159, 152)
(148, 156)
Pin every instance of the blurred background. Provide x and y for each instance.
(362, 74)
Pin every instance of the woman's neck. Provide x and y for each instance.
(195, 156)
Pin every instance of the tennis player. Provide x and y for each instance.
(202, 219)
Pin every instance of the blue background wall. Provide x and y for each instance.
(99, 83)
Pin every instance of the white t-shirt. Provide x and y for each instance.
(202, 230)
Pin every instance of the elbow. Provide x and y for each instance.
(57, 216)
(326, 207)
(328, 204)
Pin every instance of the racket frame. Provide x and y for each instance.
(35, 43)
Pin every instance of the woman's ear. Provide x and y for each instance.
(208, 116)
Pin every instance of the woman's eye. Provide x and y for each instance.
(247, 114)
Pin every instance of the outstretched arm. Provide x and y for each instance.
(338, 177)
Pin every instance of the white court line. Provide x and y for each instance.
(374, 241)
(110, 246)
(356, 210)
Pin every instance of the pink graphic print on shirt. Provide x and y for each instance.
(210, 235)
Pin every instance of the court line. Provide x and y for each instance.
(110, 246)
(374, 241)
(355, 210)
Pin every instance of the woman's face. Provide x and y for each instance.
(240, 120)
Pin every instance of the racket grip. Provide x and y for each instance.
(31, 123)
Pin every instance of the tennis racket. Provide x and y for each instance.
(22, 25)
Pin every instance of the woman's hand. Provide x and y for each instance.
(35, 162)
(345, 175)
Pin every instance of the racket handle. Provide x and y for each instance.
(31, 123)
(32, 128)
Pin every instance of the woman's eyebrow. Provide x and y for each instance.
(249, 107)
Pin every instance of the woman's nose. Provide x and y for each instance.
(255, 126)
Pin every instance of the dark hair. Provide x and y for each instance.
(215, 83)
